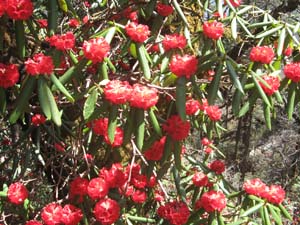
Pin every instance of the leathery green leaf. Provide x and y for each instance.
(253, 209)
(267, 115)
(90, 104)
(234, 28)
(234, 77)
(143, 61)
(140, 128)
(281, 41)
(291, 100)
(154, 122)
(214, 85)
(112, 122)
(43, 97)
(20, 38)
(260, 90)
(181, 97)
(61, 87)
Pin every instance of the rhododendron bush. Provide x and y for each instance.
(99, 99)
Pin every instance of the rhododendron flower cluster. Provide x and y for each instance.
(100, 127)
(96, 49)
(192, 106)
(74, 23)
(200, 179)
(9, 75)
(235, 3)
(2, 7)
(185, 65)
(62, 42)
(213, 112)
(137, 32)
(39, 64)
(206, 142)
(117, 92)
(78, 189)
(213, 29)
(17, 193)
(107, 211)
(177, 213)
(176, 128)
(97, 188)
(164, 9)
(217, 166)
(33, 222)
(273, 193)
(143, 97)
(262, 54)
(272, 81)
(19, 9)
(292, 71)
(212, 201)
(71, 215)
(43, 23)
(38, 119)
(174, 41)
(155, 152)
(115, 176)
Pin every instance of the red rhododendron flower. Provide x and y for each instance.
(143, 97)
(59, 146)
(37, 119)
(134, 169)
(131, 15)
(275, 194)
(2, 7)
(288, 51)
(262, 54)
(100, 126)
(107, 211)
(78, 188)
(9, 75)
(52, 213)
(39, 64)
(174, 41)
(217, 166)
(62, 42)
(212, 201)
(185, 65)
(137, 32)
(96, 49)
(43, 23)
(272, 81)
(255, 187)
(115, 177)
(213, 112)
(203, 104)
(292, 71)
(177, 213)
(235, 3)
(118, 139)
(71, 215)
(126, 190)
(155, 152)
(73, 23)
(206, 142)
(139, 181)
(200, 179)
(17, 193)
(19, 9)
(164, 9)
(97, 188)
(213, 29)
(139, 196)
(177, 128)
(192, 106)
(152, 181)
(33, 222)
(208, 150)
(159, 196)
(117, 92)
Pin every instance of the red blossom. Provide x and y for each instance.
(176, 128)
(255, 187)
(155, 152)
(78, 188)
(213, 29)
(37, 120)
(100, 126)
(206, 142)
(262, 54)
(235, 3)
(97, 188)
(275, 194)
(217, 166)
(200, 179)
(174, 41)
(43, 23)
(74, 23)
(115, 177)
(139, 196)
(33, 222)
(19, 9)
(139, 181)
(107, 211)
(131, 15)
(292, 71)
(17, 193)
(185, 65)
(60, 146)
(71, 215)
(137, 32)
(39, 64)
(2, 7)
(272, 81)
(213, 112)
(159, 196)
(212, 201)
(177, 213)
(164, 9)
(117, 92)
(118, 139)
(51, 214)
(143, 97)
(152, 181)
(208, 150)
(9, 75)
(203, 104)
(96, 49)
(192, 106)
(288, 51)
(62, 42)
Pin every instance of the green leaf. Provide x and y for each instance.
(181, 97)
(143, 61)
(154, 122)
(220, 8)
(63, 5)
(110, 34)
(237, 97)
(140, 128)
(291, 100)
(260, 90)
(252, 209)
(220, 219)
(281, 42)
(241, 22)
(129, 125)
(285, 212)
(90, 104)
(180, 189)
(103, 71)
(140, 219)
(112, 122)
(234, 77)
(237, 222)
(177, 154)
(22, 100)
(214, 85)
(2, 100)
(266, 216)
(61, 87)
(269, 32)
(43, 97)
(234, 28)
(52, 16)
(20, 38)
(275, 215)
(180, 12)
(267, 116)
